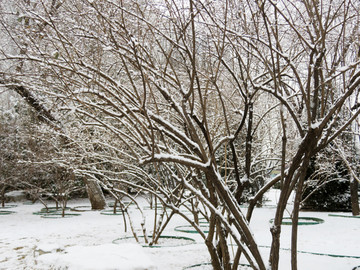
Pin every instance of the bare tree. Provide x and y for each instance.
(312, 77)
(9, 80)
(179, 87)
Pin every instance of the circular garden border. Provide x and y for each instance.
(202, 264)
(81, 208)
(6, 212)
(340, 215)
(190, 240)
(7, 206)
(59, 215)
(110, 212)
(301, 221)
(190, 229)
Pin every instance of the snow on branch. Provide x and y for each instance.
(176, 159)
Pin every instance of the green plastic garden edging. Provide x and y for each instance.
(111, 212)
(81, 208)
(203, 220)
(188, 240)
(346, 216)
(28, 203)
(196, 265)
(111, 204)
(58, 215)
(301, 221)
(202, 264)
(317, 253)
(159, 207)
(7, 206)
(50, 210)
(5, 212)
(54, 208)
(43, 211)
(190, 229)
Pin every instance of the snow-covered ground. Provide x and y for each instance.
(28, 241)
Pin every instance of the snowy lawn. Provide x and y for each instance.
(95, 241)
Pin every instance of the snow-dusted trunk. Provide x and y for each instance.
(96, 195)
(241, 224)
(295, 176)
(296, 209)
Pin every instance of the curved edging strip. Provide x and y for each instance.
(190, 229)
(339, 215)
(7, 206)
(158, 208)
(81, 208)
(189, 241)
(50, 210)
(44, 212)
(58, 215)
(318, 253)
(6, 212)
(302, 221)
(202, 264)
(111, 212)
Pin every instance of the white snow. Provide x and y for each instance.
(28, 241)
(106, 256)
(315, 125)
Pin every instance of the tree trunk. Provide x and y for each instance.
(2, 194)
(354, 187)
(96, 196)
(295, 214)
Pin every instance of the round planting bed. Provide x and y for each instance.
(111, 212)
(53, 209)
(81, 208)
(41, 212)
(208, 266)
(203, 220)
(28, 203)
(345, 216)
(58, 215)
(111, 204)
(202, 266)
(164, 241)
(158, 207)
(7, 206)
(301, 221)
(6, 212)
(190, 229)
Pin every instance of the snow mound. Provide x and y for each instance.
(101, 257)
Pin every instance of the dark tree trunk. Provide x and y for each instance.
(354, 187)
(2, 195)
(96, 196)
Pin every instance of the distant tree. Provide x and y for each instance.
(37, 102)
